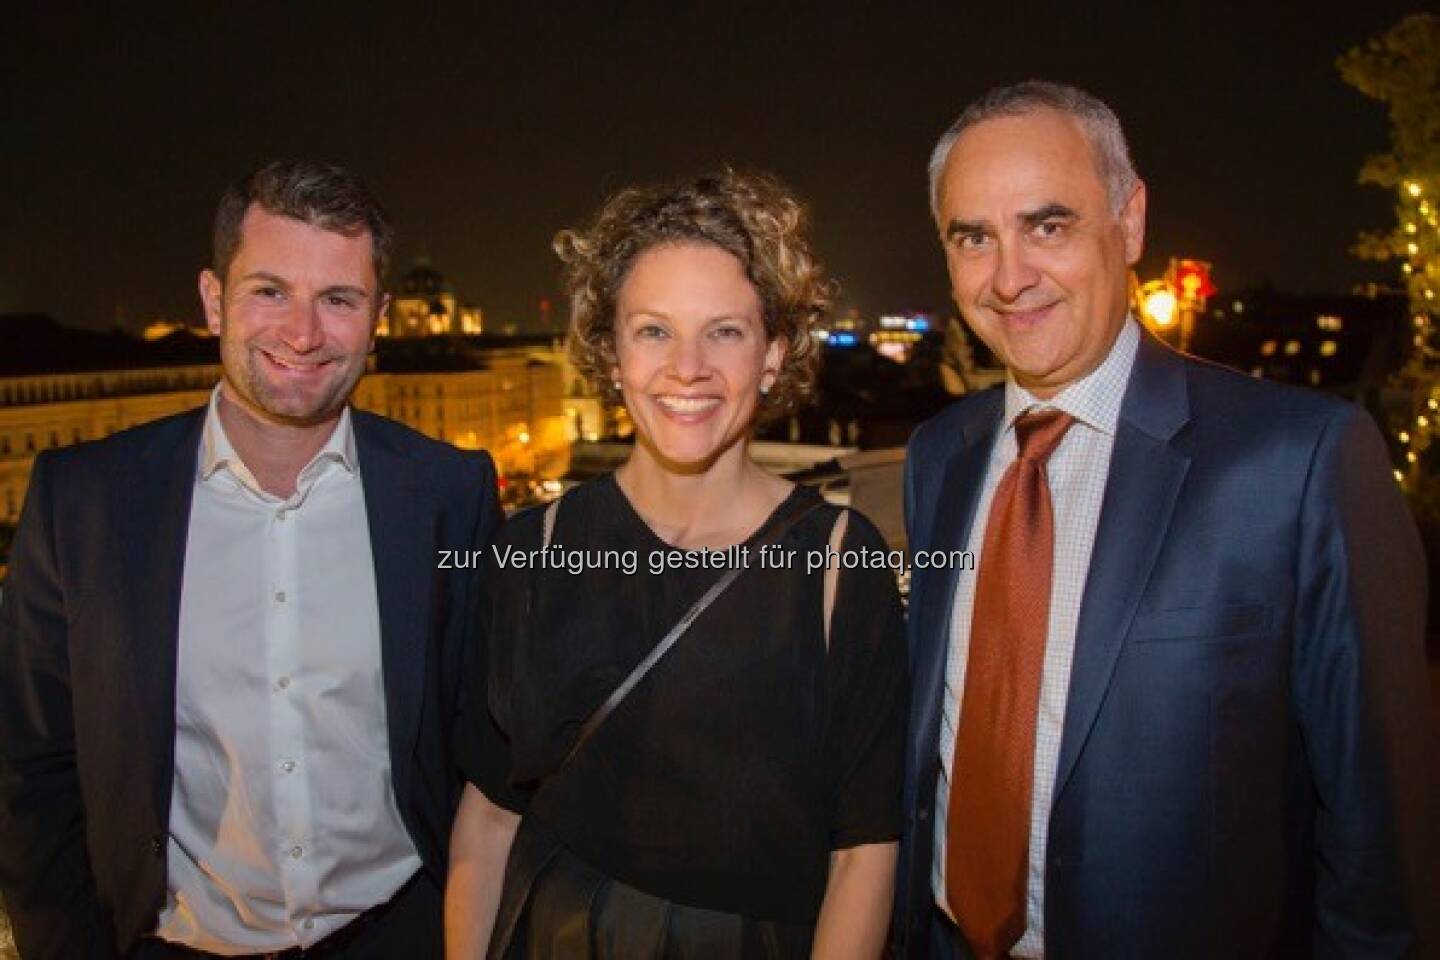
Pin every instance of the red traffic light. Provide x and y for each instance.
(1192, 279)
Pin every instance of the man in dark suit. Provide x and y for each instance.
(1180, 708)
(228, 661)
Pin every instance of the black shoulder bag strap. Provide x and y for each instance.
(603, 712)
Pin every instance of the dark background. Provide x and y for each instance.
(488, 127)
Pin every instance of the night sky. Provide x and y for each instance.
(486, 128)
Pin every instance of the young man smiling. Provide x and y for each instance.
(226, 654)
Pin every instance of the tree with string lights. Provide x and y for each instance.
(1401, 69)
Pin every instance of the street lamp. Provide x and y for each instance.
(1158, 304)
(1173, 302)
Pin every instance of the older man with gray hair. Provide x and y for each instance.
(1181, 709)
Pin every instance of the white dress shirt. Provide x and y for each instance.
(283, 821)
(1077, 473)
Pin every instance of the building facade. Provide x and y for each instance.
(424, 305)
(507, 397)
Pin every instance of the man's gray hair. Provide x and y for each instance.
(1101, 126)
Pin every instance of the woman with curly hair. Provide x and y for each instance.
(697, 754)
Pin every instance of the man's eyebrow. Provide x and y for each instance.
(958, 228)
(347, 290)
(267, 277)
(1051, 211)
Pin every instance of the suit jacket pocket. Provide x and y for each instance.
(1210, 622)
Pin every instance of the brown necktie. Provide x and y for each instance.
(987, 833)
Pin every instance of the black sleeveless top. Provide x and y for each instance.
(748, 753)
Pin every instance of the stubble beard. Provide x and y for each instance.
(247, 380)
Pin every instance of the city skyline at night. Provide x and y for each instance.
(486, 130)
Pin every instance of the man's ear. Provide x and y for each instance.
(1132, 224)
(212, 295)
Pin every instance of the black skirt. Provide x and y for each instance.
(557, 907)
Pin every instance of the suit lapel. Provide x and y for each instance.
(954, 512)
(398, 508)
(1146, 475)
(156, 500)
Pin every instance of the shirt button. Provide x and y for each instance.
(279, 596)
(280, 516)
(288, 766)
(296, 852)
(283, 683)
(308, 924)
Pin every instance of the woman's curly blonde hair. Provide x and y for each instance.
(752, 217)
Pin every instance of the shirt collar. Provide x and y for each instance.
(216, 451)
(1095, 398)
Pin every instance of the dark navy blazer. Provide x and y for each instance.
(88, 633)
(1247, 766)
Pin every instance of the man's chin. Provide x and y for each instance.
(298, 411)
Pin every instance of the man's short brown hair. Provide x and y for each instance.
(320, 194)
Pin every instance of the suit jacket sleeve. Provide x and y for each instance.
(1361, 693)
(44, 867)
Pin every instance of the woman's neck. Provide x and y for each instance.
(715, 508)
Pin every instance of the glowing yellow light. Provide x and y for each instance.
(1292, 347)
(1399, 477)
(1424, 208)
(1267, 349)
(1409, 228)
(1406, 267)
(1433, 404)
(1414, 189)
(1403, 436)
(1160, 306)
(1422, 421)
(1412, 249)
(524, 436)
(1410, 455)
(1328, 348)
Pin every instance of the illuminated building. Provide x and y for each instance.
(1343, 344)
(898, 335)
(424, 305)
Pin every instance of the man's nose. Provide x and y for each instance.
(1014, 273)
(301, 329)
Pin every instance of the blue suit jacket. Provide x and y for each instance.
(1247, 766)
(88, 632)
